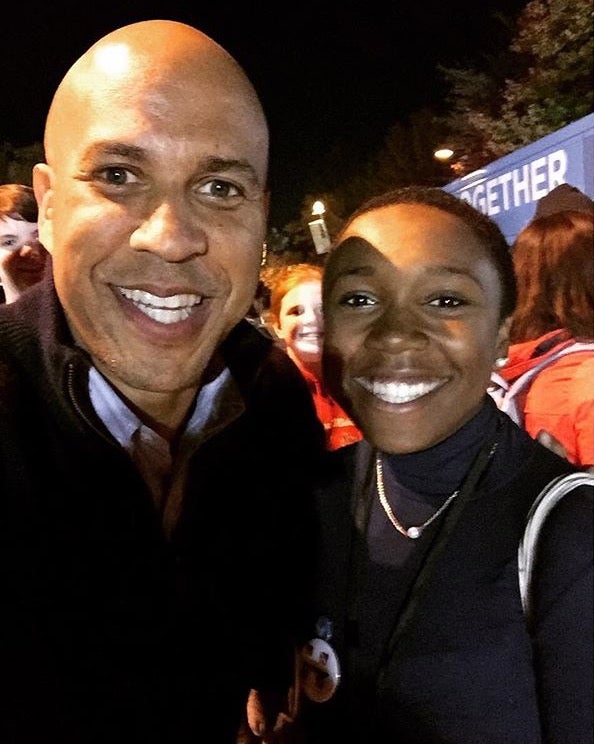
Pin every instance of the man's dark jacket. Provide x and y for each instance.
(110, 632)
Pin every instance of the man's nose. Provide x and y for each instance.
(170, 232)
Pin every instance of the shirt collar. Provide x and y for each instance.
(211, 409)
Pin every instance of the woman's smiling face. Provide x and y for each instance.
(412, 318)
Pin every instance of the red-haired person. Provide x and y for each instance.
(295, 316)
(22, 257)
(555, 276)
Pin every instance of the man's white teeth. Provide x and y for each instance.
(165, 316)
(397, 392)
(172, 309)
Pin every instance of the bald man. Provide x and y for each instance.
(155, 450)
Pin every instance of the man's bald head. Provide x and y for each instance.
(153, 207)
(160, 53)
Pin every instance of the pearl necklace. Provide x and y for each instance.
(412, 532)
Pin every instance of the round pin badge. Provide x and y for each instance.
(320, 672)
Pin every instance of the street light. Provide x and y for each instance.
(318, 229)
(318, 208)
(443, 154)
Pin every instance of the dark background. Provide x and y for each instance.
(326, 71)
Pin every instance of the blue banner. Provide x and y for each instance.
(508, 189)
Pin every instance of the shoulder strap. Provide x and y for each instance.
(547, 499)
(507, 400)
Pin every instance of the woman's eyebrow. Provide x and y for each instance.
(454, 271)
(365, 270)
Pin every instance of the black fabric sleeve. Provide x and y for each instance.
(563, 634)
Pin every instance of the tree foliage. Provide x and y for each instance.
(542, 83)
(535, 79)
(404, 157)
(16, 163)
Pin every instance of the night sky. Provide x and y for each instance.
(326, 71)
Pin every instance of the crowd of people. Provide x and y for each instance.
(304, 530)
(552, 330)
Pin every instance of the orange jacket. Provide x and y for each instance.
(338, 427)
(560, 399)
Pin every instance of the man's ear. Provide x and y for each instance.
(42, 186)
(503, 337)
(266, 202)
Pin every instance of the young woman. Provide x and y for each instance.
(418, 621)
(555, 312)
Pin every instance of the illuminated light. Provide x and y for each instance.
(113, 59)
(444, 153)
(318, 208)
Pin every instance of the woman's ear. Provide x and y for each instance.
(42, 186)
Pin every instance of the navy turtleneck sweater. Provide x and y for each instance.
(416, 486)
(461, 665)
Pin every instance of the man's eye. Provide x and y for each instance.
(219, 189)
(118, 176)
(8, 243)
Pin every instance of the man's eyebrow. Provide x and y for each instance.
(215, 163)
(223, 165)
(117, 149)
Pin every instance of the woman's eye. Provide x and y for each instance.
(447, 302)
(357, 300)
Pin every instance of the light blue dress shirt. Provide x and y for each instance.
(217, 403)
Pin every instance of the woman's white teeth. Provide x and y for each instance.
(172, 309)
(397, 392)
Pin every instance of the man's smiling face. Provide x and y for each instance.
(154, 211)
